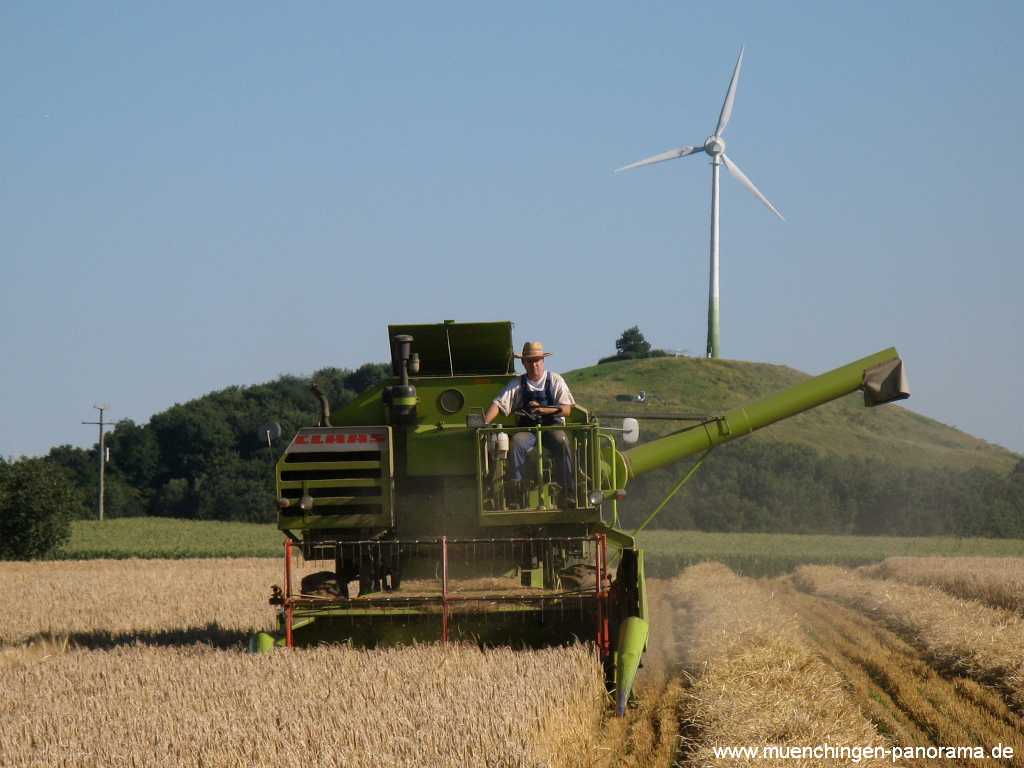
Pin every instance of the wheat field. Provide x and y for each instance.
(199, 706)
(101, 602)
(142, 662)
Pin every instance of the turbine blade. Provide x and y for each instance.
(672, 154)
(730, 97)
(735, 171)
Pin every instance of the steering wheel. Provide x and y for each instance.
(534, 417)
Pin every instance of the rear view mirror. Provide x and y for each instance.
(630, 430)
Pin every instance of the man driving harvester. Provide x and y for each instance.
(539, 397)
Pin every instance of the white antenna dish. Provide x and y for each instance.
(269, 431)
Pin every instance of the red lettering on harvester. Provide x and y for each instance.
(342, 439)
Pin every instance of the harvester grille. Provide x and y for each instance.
(338, 474)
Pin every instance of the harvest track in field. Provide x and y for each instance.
(959, 636)
(649, 734)
(896, 687)
(908, 694)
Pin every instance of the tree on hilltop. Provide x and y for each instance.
(632, 343)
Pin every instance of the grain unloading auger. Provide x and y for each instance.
(401, 524)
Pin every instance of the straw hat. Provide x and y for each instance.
(533, 349)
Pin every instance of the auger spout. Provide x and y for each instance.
(880, 376)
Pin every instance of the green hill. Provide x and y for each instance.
(840, 468)
(843, 428)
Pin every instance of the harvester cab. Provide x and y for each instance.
(402, 522)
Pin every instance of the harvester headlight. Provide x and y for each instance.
(284, 503)
(596, 497)
(306, 503)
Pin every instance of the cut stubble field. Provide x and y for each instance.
(994, 581)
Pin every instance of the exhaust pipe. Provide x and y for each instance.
(325, 407)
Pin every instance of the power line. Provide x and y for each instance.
(103, 453)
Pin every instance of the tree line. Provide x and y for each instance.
(207, 459)
(201, 460)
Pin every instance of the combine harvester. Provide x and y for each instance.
(401, 524)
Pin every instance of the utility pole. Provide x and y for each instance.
(103, 452)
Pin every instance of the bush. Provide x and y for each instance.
(37, 501)
(174, 499)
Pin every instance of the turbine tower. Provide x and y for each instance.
(714, 146)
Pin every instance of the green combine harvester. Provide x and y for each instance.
(401, 524)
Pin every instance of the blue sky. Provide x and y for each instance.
(194, 198)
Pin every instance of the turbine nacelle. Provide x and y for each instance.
(714, 145)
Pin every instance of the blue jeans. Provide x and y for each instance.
(556, 441)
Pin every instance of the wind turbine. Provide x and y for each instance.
(714, 146)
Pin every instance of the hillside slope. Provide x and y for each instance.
(844, 428)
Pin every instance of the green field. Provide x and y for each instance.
(772, 554)
(162, 537)
(752, 554)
